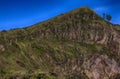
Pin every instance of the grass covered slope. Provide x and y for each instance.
(65, 47)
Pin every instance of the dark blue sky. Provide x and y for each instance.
(22, 13)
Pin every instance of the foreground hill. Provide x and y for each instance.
(75, 45)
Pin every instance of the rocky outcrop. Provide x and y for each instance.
(2, 48)
(101, 67)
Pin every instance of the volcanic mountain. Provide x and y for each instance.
(75, 45)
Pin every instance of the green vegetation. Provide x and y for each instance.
(107, 17)
(48, 50)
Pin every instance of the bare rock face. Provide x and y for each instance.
(2, 48)
(101, 67)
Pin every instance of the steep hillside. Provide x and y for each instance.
(75, 45)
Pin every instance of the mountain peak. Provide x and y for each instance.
(86, 8)
(83, 13)
(86, 12)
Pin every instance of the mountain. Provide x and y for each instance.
(75, 45)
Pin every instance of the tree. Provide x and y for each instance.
(107, 17)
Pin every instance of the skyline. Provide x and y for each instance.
(23, 13)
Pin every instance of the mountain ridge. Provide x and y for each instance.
(74, 45)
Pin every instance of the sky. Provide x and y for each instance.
(23, 13)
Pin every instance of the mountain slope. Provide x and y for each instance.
(75, 45)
